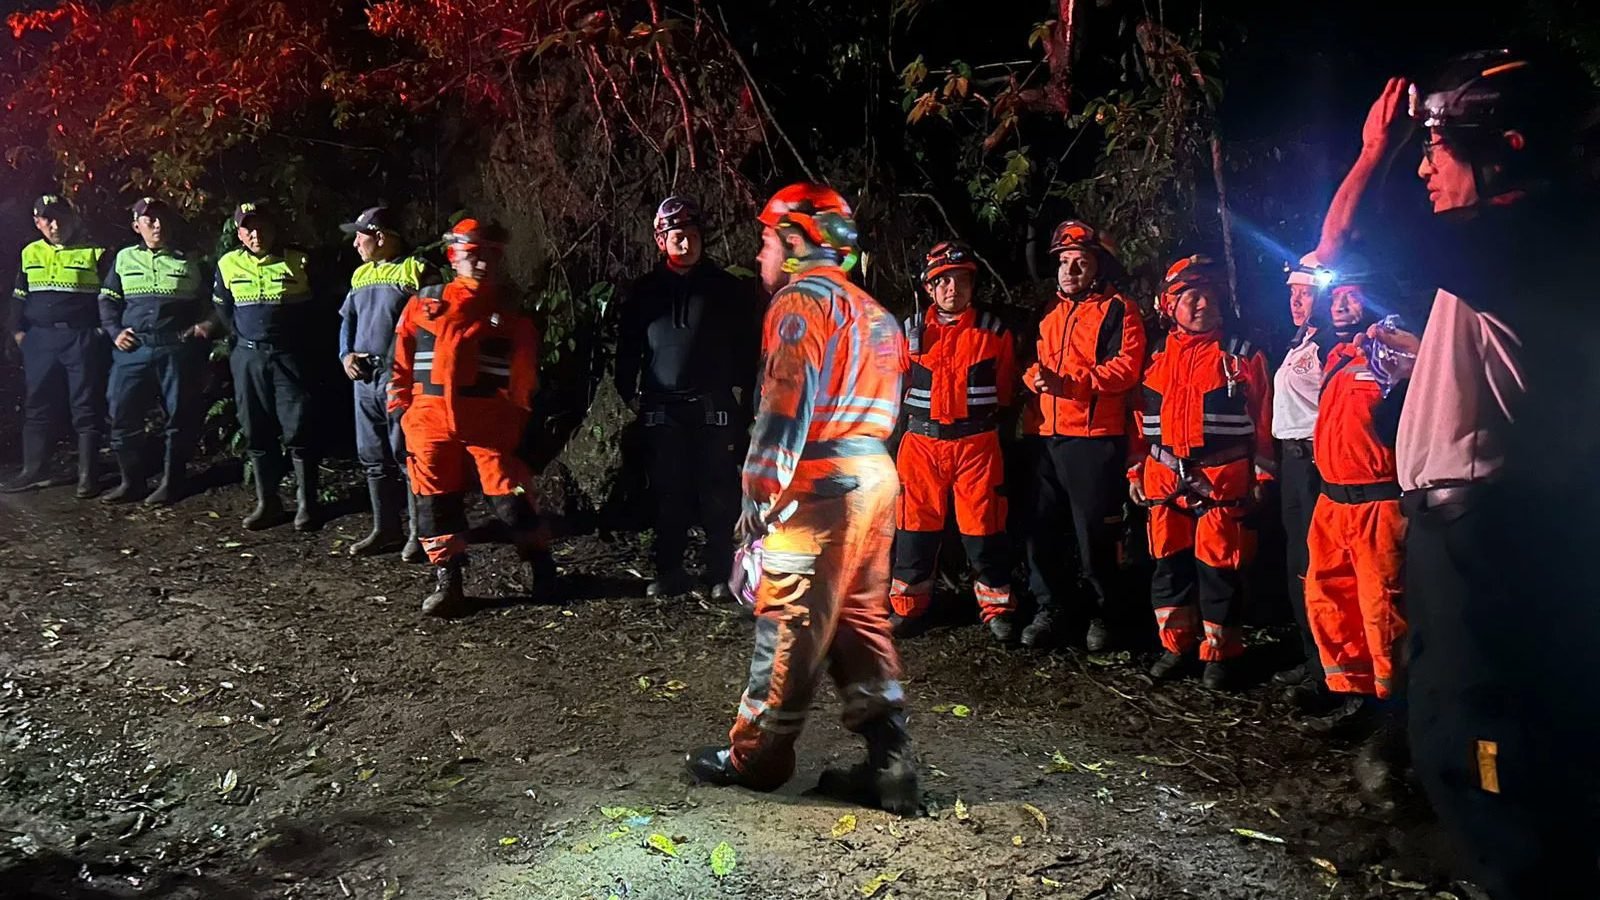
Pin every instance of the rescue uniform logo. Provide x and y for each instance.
(791, 328)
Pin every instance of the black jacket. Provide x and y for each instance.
(683, 337)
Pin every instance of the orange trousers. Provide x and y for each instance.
(1199, 553)
(971, 470)
(441, 472)
(822, 602)
(1353, 587)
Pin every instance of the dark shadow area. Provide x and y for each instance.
(50, 876)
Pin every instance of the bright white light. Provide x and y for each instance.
(1324, 277)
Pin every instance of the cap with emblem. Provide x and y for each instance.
(371, 221)
(51, 206)
(248, 211)
(154, 207)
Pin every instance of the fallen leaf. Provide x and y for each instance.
(1016, 839)
(1406, 885)
(1038, 816)
(366, 774)
(568, 613)
(391, 891)
(212, 515)
(1049, 882)
(1254, 835)
(644, 683)
(675, 685)
(1325, 865)
(627, 812)
(723, 860)
(942, 708)
(508, 841)
(229, 782)
(845, 825)
(1159, 761)
(663, 844)
(961, 811)
(871, 888)
(232, 545)
(439, 785)
(960, 710)
(213, 722)
(619, 831)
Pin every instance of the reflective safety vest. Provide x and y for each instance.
(1208, 399)
(59, 285)
(963, 372)
(379, 291)
(264, 298)
(154, 292)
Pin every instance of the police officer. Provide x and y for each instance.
(686, 359)
(264, 295)
(387, 279)
(55, 320)
(1498, 440)
(155, 309)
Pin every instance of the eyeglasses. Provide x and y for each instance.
(1429, 147)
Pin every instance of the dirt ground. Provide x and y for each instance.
(188, 710)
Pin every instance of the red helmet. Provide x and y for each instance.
(1197, 271)
(821, 215)
(948, 256)
(472, 236)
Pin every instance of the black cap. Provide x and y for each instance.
(51, 206)
(246, 211)
(371, 221)
(154, 207)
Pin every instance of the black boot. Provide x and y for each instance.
(174, 474)
(539, 571)
(1216, 675)
(1041, 631)
(1003, 628)
(413, 552)
(132, 486)
(88, 466)
(1351, 717)
(671, 583)
(1098, 637)
(307, 514)
(1169, 666)
(35, 463)
(386, 532)
(269, 509)
(888, 778)
(449, 597)
(1381, 761)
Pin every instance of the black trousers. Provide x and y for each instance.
(694, 468)
(1299, 483)
(273, 391)
(165, 376)
(916, 556)
(64, 370)
(1079, 483)
(1503, 695)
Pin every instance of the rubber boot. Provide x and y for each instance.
(174, 475)
(714, 765)
(269, 509)
(1382, 759)
(672, 583)
(35, 463)
(888, 778)
(413, 552)
(386, 532)
(1216, 675)
(1098, 637)
(88, 466)
(539, 570)
(449, 597)
(1002, 628)
(307, 514)
(1041, 631)
(1169, 666)
(133, 486)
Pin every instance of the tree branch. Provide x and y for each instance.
(955, 233)
(755, 90)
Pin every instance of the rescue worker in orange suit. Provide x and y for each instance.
(1090, 353)
(963, 373)
(466, 366)
(1203, 451)
(1497, 440)
(819, 493)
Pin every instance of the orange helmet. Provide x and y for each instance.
(823, 218)
(472, 236)
(1198, 271)
(948, 256)
(1075, 235)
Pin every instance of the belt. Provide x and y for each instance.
(856, 446)
(64, 326)
(159, 340)
(948, 431)
(655, 411)
(266, 346)
(1178, 464)
(1361, 493)
(1297, 447)
(1455, 496)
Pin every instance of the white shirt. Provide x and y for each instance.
(1464, 387)
(1296, 388)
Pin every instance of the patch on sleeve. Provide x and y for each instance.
(791, 328)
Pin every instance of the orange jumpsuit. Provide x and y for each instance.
(1357, 542)
(820, 475)
(962, 374)
(465, 371)
(1204, 440)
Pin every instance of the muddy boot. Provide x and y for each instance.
(132, 486)
(386, 534)
(907, 627)
(1381, 762)
(88, 466)
(1168, 667)
(1041, 632)
(539, 573)
(413, 552)
(1292, 677)
(174, 475)
(672, 583)
(307, 514)
(1352, 716)
(1003, 629)
(888, 778)
(269, 509)
(35, 463)
(1216, 675)
(1098, 637)
(449, 597)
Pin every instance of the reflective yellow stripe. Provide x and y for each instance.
(261, 280)
(74, 270)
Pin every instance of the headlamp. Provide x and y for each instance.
(1324, 277)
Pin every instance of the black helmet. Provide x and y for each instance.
(1503, 90)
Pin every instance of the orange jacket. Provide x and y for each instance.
(1345, 444)
(960, 371)
(1097, 344)
(464, 368)
(832, 375)
(1206, 398)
